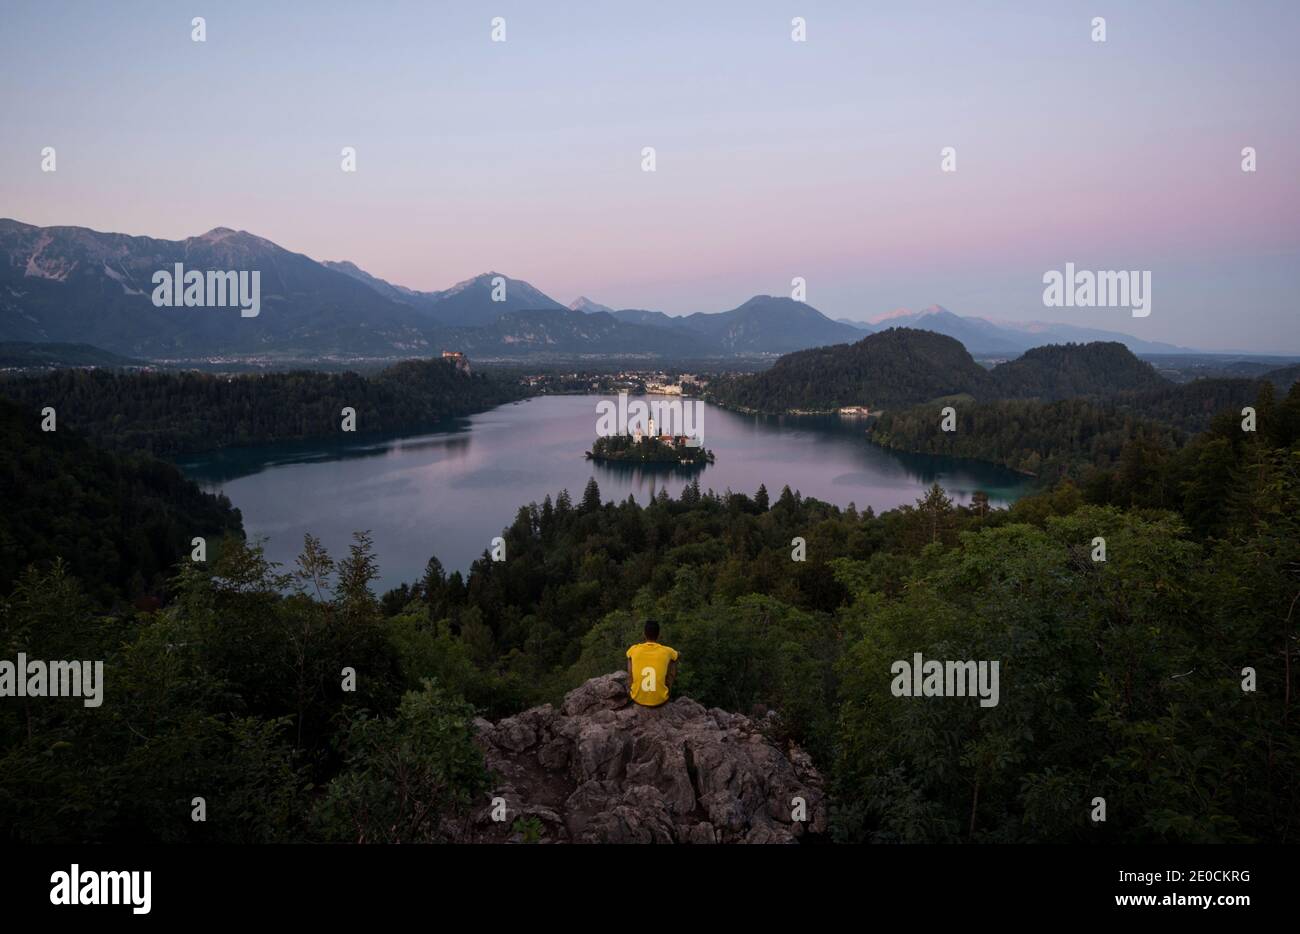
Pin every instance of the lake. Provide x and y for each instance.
(449, 491)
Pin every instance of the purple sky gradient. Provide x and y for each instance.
(775, 159)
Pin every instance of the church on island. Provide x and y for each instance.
(670, 440)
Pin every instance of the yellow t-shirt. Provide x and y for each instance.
(649, 669)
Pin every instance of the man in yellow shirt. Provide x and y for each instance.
(651, 668)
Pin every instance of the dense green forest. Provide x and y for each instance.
(1283, 377)
(899, 366)
(1067, 371)
(903, 366)
(1121, 678)
(1056, 411)
(174, 414)
(1190, 407)
(1067, 438)
(118, 521)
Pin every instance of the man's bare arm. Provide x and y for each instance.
(629, 671)
(671, 676)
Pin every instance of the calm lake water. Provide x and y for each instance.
(448, 492)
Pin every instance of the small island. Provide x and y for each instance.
(670, 450)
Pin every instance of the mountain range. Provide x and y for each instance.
(76, 285)
(997, 338)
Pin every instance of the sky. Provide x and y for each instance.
(774, 159)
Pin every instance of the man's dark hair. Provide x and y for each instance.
(651, 629)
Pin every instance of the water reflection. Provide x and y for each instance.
(447, 492)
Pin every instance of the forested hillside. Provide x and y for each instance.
(1056, 411)
(1190, 406)
(119, 522)
(1069, 438)
(1283, 377)
(1121, 677)
(173, 414)
(904, 366)
(1067, 371)
(899, 366)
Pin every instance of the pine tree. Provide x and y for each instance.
(590, 497)
(547, 522)
(434, 582)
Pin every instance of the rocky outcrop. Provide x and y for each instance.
(604, 770)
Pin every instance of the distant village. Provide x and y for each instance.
(637, 382)
(651, 382)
